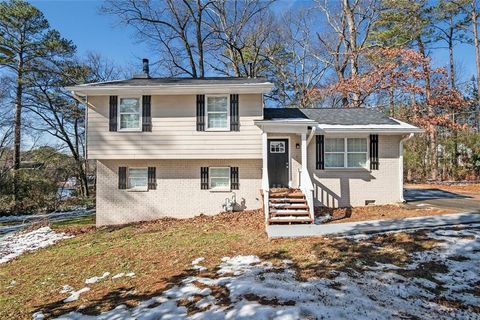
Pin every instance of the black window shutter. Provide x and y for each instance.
(234, 117)
(200, 112)
(204, 178)
(234, 185)
(374, 162)
(113, 113)
(320, 152)
(122, 177)
(146, 113)
(152, 179)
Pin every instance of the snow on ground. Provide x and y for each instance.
(13, 245)
(16, 223)
(97, 278)
(74, 295)
(247, 288)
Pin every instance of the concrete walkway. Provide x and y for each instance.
(371, 226)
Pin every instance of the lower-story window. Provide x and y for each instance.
(219, 178)
(346, 152)
(137, 178)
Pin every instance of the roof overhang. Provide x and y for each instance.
(286, 125)
(172, 89)
(401, 128)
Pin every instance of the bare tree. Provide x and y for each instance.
(295, 68)
(175, 28)
(348, 25)
(241, 30)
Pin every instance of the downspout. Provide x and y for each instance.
(400, 166)
(312, 134)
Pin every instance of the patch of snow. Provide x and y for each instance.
(197, 266)
(96, 279)
(74, 295)
(260, 290)
(14, 245)
(66, 289)
(119, 275)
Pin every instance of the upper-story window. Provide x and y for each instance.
(130, 114)
(346, 153)
(217, 112)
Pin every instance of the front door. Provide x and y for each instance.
(278, 163)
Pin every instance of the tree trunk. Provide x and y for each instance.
(18, 129)
(198, 28)
(475, 42)
(432, 132)
(452, 84)
(352, 31)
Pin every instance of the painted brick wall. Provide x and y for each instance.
(178, 192)
(351, 187)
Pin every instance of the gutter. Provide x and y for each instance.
(400, 166)
(173, 89)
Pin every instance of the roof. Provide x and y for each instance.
(153, 86)
(335, 120)
(330, 116)
(152, 82)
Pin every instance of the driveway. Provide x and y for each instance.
(455, 201)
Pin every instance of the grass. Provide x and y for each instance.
(160, 253)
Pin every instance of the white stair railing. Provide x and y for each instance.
(266, 195)
(306, 186)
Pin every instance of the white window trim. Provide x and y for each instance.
(138, 188)
(220, 188)
(227, 128)
(119, 128)
(345, 153)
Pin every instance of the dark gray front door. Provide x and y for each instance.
(278, 163)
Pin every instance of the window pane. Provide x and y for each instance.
(357, 145)
(220, 172)
(334, 145)
(217, 104)
(217, 120)
(129, 121)
(219, 178)
(137, 177)
(129, 105)
(219, 183)
(357, 160)
(334, 160)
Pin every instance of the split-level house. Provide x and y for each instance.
(181, 147)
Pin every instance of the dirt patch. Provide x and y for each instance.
(342, 215)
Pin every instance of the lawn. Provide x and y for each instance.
(160, 254)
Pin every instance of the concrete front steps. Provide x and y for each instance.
(288, 206)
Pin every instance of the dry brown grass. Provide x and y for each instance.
(160, 254)
(342, 215)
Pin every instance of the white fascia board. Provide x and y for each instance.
(258, 88)
(402, 128)
(285, 125)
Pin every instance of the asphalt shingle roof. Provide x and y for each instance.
(347, 116)
(178, 81)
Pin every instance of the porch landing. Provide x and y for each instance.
(372, 226)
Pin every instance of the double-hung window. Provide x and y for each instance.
(130, 114)
(137, 178)
(346, 153)
(217, 112)
(219, 178)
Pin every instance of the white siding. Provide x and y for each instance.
(174, 134)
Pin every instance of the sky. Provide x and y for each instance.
(81, 22)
